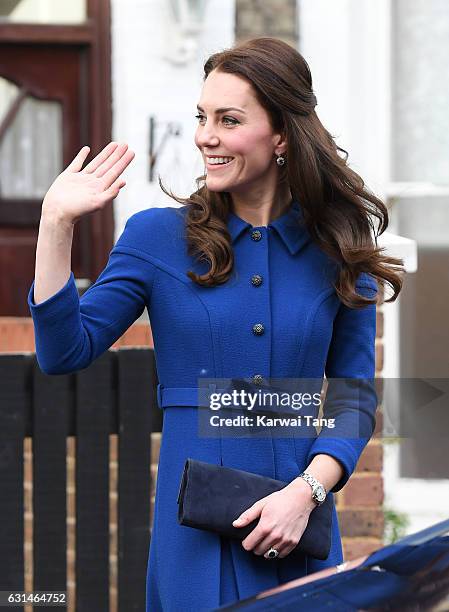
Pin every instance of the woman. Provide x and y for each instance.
(267, 270)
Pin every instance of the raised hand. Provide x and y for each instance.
(77, 192)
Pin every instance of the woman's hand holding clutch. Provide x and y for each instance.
(283, 517)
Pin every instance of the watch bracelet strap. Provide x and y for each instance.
(311, 480)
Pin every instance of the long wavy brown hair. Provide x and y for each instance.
(339, 212)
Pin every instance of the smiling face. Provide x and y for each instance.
(233, 124)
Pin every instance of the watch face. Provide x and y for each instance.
(320, 494)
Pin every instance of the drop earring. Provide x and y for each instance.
(280, 160)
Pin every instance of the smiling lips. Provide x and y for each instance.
(218, 162)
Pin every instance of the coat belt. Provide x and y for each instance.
(200, 397)
(185, 396)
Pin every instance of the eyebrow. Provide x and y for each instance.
(223, 110)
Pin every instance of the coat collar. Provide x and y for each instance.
(289, 226)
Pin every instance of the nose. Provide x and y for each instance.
(206, 136)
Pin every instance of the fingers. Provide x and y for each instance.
(78, 161)
(265, 536)
(277, 546)
(269, 542)
(113, 190)
(111, 176)
(282, 545)
(104, 157)
(265, 543)
(250, 513)
(260, 540)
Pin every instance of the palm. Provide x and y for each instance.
(76, 191)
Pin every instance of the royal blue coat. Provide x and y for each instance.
(202, 332)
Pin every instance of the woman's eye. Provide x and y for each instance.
(231, 119)
(226, 120)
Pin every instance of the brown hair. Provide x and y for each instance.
(336, 205)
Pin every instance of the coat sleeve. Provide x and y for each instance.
(353, 406)
(70, 332)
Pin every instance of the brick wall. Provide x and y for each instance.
(260, 18)
(360, 502)
(17, 335)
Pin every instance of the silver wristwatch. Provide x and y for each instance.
(318, 491)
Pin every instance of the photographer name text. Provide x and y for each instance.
(265, 421)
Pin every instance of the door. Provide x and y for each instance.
(52, 102)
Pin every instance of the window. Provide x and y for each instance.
(30, 143)
(43, 11)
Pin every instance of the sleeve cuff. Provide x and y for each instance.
(345, 452)
(54, 318)
(56, 303)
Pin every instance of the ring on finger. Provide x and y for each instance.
(272, 553)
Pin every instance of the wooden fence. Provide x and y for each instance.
(115, 395)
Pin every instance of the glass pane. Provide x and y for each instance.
(31, 147)
(424, 329)
(43, 11)
(420, 90)
(188, 9)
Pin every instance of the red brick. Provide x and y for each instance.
(71, 502)
(113, 447)
(379, 384)
(28, 528)
(152, 512)
(155, 446)
(139, 334)
(17, 334)
(371, 458)
(338, 498)
(361, 523)
(379, 324)
(113, 511)
(379, 355)
(363, 490)
(153, 480)
(113, 537)
(358, 547)
(378, 429)
(113, 478)
(28, 471)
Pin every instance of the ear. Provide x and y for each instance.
(280, 143)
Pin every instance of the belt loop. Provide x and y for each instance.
(159, 395)
(204, 393)
(212, 389)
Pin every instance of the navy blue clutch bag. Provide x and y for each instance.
(212, 496)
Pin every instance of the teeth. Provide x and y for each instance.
(219, 160)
